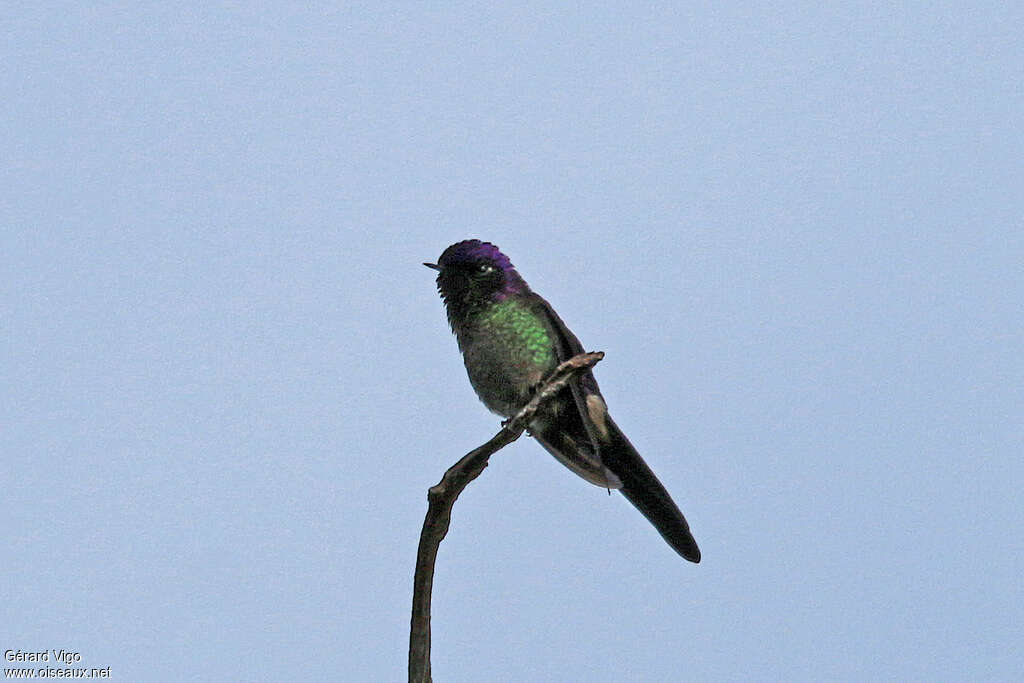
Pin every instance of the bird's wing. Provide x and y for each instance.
(570, 434)
(610, 450)
(585, 391)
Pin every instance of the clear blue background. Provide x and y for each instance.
(227, 381)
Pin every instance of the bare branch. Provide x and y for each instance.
(441, 498)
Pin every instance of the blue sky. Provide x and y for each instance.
(227, 381)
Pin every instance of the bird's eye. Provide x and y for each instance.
(484, 268)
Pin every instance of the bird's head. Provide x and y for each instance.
(472, 273)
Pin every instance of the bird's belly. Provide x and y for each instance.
(503, 379)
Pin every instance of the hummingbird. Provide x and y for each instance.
(511, 339)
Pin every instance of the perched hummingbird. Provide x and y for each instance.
(511, 339)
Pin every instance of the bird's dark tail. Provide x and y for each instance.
(645, 492)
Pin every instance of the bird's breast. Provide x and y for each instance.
(507, 352)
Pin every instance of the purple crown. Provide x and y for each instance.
(474, 250)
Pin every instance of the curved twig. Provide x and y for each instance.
(441, 498)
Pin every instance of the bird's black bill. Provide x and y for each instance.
(432, 265)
